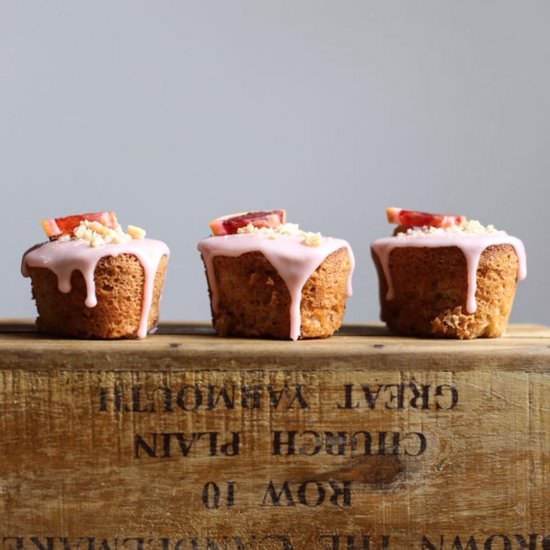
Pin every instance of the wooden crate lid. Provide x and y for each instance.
(523, 346)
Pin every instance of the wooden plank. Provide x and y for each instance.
(373, 329)
(176, 345)
(362, 441)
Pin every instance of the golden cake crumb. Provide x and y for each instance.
(119, 283)
(431, 287)
(254, 300)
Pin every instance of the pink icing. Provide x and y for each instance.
(471, 245)
(65, 257)
(294, 261)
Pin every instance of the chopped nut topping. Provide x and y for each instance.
(312, 239)
(467, 227)
(97, 241)
(286, 230)
(97, 234)
(135, 232)
(99, 228)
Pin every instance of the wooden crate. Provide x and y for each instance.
(185, 441)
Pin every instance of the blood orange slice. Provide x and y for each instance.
(58, 227)
(229, 225)
(413, 218)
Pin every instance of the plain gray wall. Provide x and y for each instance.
(173, 112)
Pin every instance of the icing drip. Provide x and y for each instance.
(472, 246)
(76, 255)
(294, 261)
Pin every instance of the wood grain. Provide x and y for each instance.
(361, 441)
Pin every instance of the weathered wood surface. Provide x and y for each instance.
(395, 443)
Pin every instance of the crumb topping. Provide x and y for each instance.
(286, 229)
(97, 234)
(467, 227)
(135, 232)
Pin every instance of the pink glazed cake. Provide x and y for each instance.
(446, 276)
(93, 280)
(268, 278)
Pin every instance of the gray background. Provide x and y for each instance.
(173, 112)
